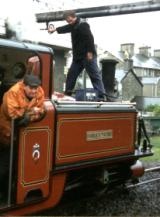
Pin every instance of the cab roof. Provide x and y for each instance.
(25, 45)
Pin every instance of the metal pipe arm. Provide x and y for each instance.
(109, 10)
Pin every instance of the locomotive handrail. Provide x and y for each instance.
(142, 129)
(122, 103)
(10, 163)
(114, 106)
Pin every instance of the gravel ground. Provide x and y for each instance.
(143, 200)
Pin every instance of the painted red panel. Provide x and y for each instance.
(35, 155)
(73, 144)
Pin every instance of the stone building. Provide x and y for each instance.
(138, 74)
(60, 60)
(151, 86)
(131, 86)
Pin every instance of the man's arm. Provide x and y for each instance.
(38, 109)
(11, 105)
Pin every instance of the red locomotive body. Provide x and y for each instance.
(72, 138)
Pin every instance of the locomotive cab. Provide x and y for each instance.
(29, 154)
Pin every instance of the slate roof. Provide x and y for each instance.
(142, 61)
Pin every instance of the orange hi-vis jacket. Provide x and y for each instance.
(16, 104)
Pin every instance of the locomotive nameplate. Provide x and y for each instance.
(99, 135)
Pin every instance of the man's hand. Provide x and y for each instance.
(36, 110)
(35, 113)
(89, 56)
(23, 121)
(51, 28)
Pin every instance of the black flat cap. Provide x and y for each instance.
(31, 80)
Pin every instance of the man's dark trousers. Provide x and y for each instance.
(93, 72)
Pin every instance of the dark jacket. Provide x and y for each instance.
(82, 38)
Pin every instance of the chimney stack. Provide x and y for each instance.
(145, 51)
(128, 64)
(128, 50)
(157, 53)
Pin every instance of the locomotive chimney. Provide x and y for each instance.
(108, 75)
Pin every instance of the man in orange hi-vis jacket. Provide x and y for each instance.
(24, 102)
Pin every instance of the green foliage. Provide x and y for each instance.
(155, 141)
(153, 108)
(157, 111)
(150, 108)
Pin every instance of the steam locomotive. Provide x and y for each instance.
(76, 142)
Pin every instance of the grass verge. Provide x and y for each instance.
(155, 141)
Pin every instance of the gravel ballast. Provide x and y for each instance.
(143, 200)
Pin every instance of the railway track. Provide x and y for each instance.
(76, 200)
(103, 190)
(147, 170)
(153, 169)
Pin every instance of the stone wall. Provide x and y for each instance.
(130, 87)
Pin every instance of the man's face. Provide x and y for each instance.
(71, 20)
(30, 92)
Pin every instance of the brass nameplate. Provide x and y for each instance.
(98, 135)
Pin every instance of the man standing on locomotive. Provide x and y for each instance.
(84, 53)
